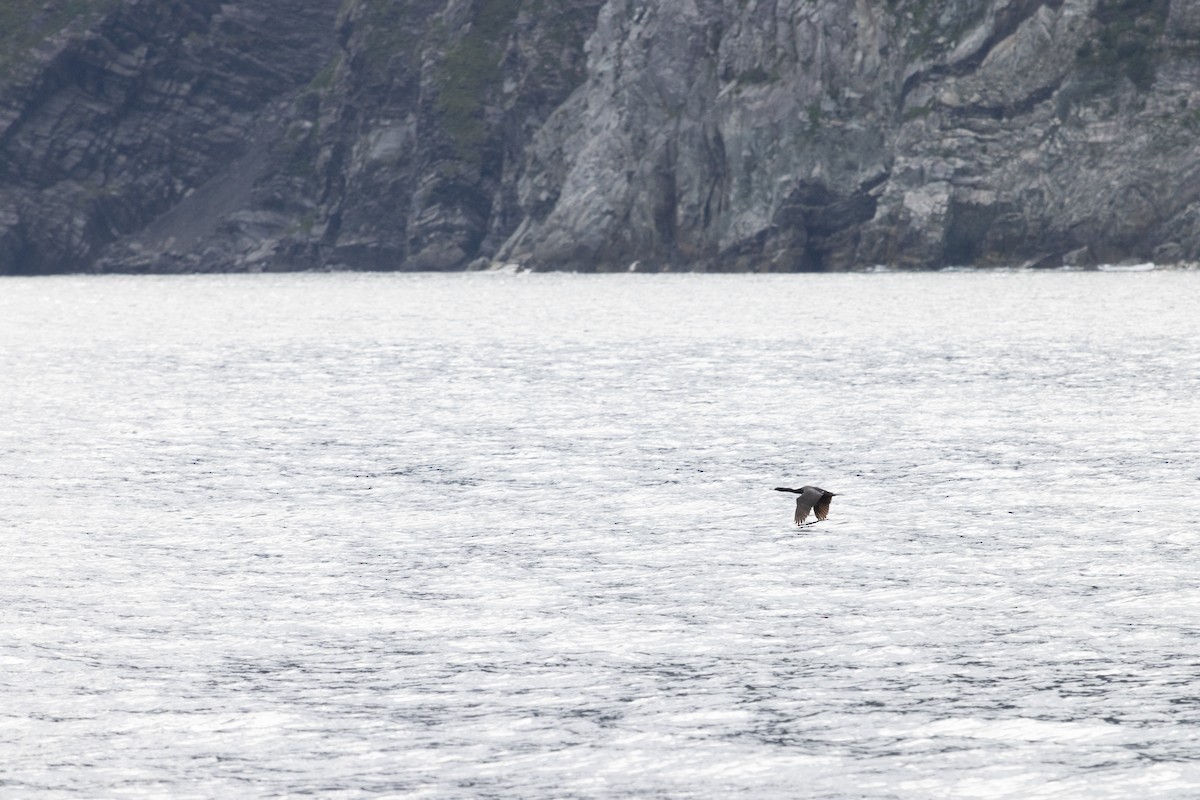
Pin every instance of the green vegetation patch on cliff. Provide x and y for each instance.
(471, 74)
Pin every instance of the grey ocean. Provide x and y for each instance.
(489, 535)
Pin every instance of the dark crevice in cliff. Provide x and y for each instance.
(1000, 113)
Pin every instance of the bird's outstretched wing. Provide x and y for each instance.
(802, 509)
(822, 507)
(804, 503)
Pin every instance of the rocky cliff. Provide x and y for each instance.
(195, 135)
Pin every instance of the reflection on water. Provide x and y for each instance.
(482, 535)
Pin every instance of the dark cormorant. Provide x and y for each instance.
(811, 499)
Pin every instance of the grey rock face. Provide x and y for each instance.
(733, 136)
(788, 134)
(109, 132)
(603, 135)
(425, 129)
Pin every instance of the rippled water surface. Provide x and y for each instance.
(514, 536)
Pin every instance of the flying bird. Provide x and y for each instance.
(811, 499)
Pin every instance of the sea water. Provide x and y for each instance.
(487, 535)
